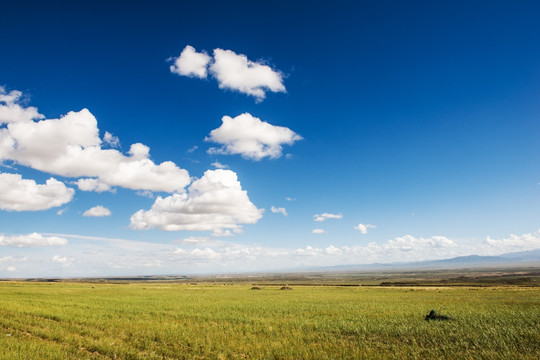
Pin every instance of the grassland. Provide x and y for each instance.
(70, 320)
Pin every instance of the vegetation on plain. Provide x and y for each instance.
(226, 320)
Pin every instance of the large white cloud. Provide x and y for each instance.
(18, 194)
(33, 239)
(250, 137)
(232, 71)
(70, 146)
(191, 63)
(215, 202)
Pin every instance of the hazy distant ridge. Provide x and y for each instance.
(531, 257)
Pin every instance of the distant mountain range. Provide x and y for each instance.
(517, 258)
(522, 258)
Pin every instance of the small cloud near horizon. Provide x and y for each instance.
(326, 216)
(280, 210)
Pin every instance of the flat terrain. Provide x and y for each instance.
(146, 320)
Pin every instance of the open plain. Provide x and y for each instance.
(227, 319)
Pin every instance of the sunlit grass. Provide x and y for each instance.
(172, 321)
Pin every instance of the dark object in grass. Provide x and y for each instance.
(434, 316)
(286, 288)
(256, 288)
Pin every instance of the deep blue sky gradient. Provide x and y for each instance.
(420, 117)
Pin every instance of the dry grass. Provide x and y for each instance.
(208, 321)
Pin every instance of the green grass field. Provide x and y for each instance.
(220, 321)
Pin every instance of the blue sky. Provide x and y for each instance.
(412, 126)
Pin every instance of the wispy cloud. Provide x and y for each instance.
(363, 228)
(280, 210)
(121, 256)
(219, 165)
(145, 193)
(196, 240)
(111, 140)
(103, 239)
(326, 216)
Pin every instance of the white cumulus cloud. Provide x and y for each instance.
(191, 63)
(11, 111)
(318, 231)
(30, 240)
(279, 210)
(410, 243)
(363, 228)
(70, 146)
(215, 202)
(18, 194)
(250, 137)
(236, 72)
(325, 216)
(332, 250)
(514, 243)
(231, 70)
(198, 254)
(97, 211)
